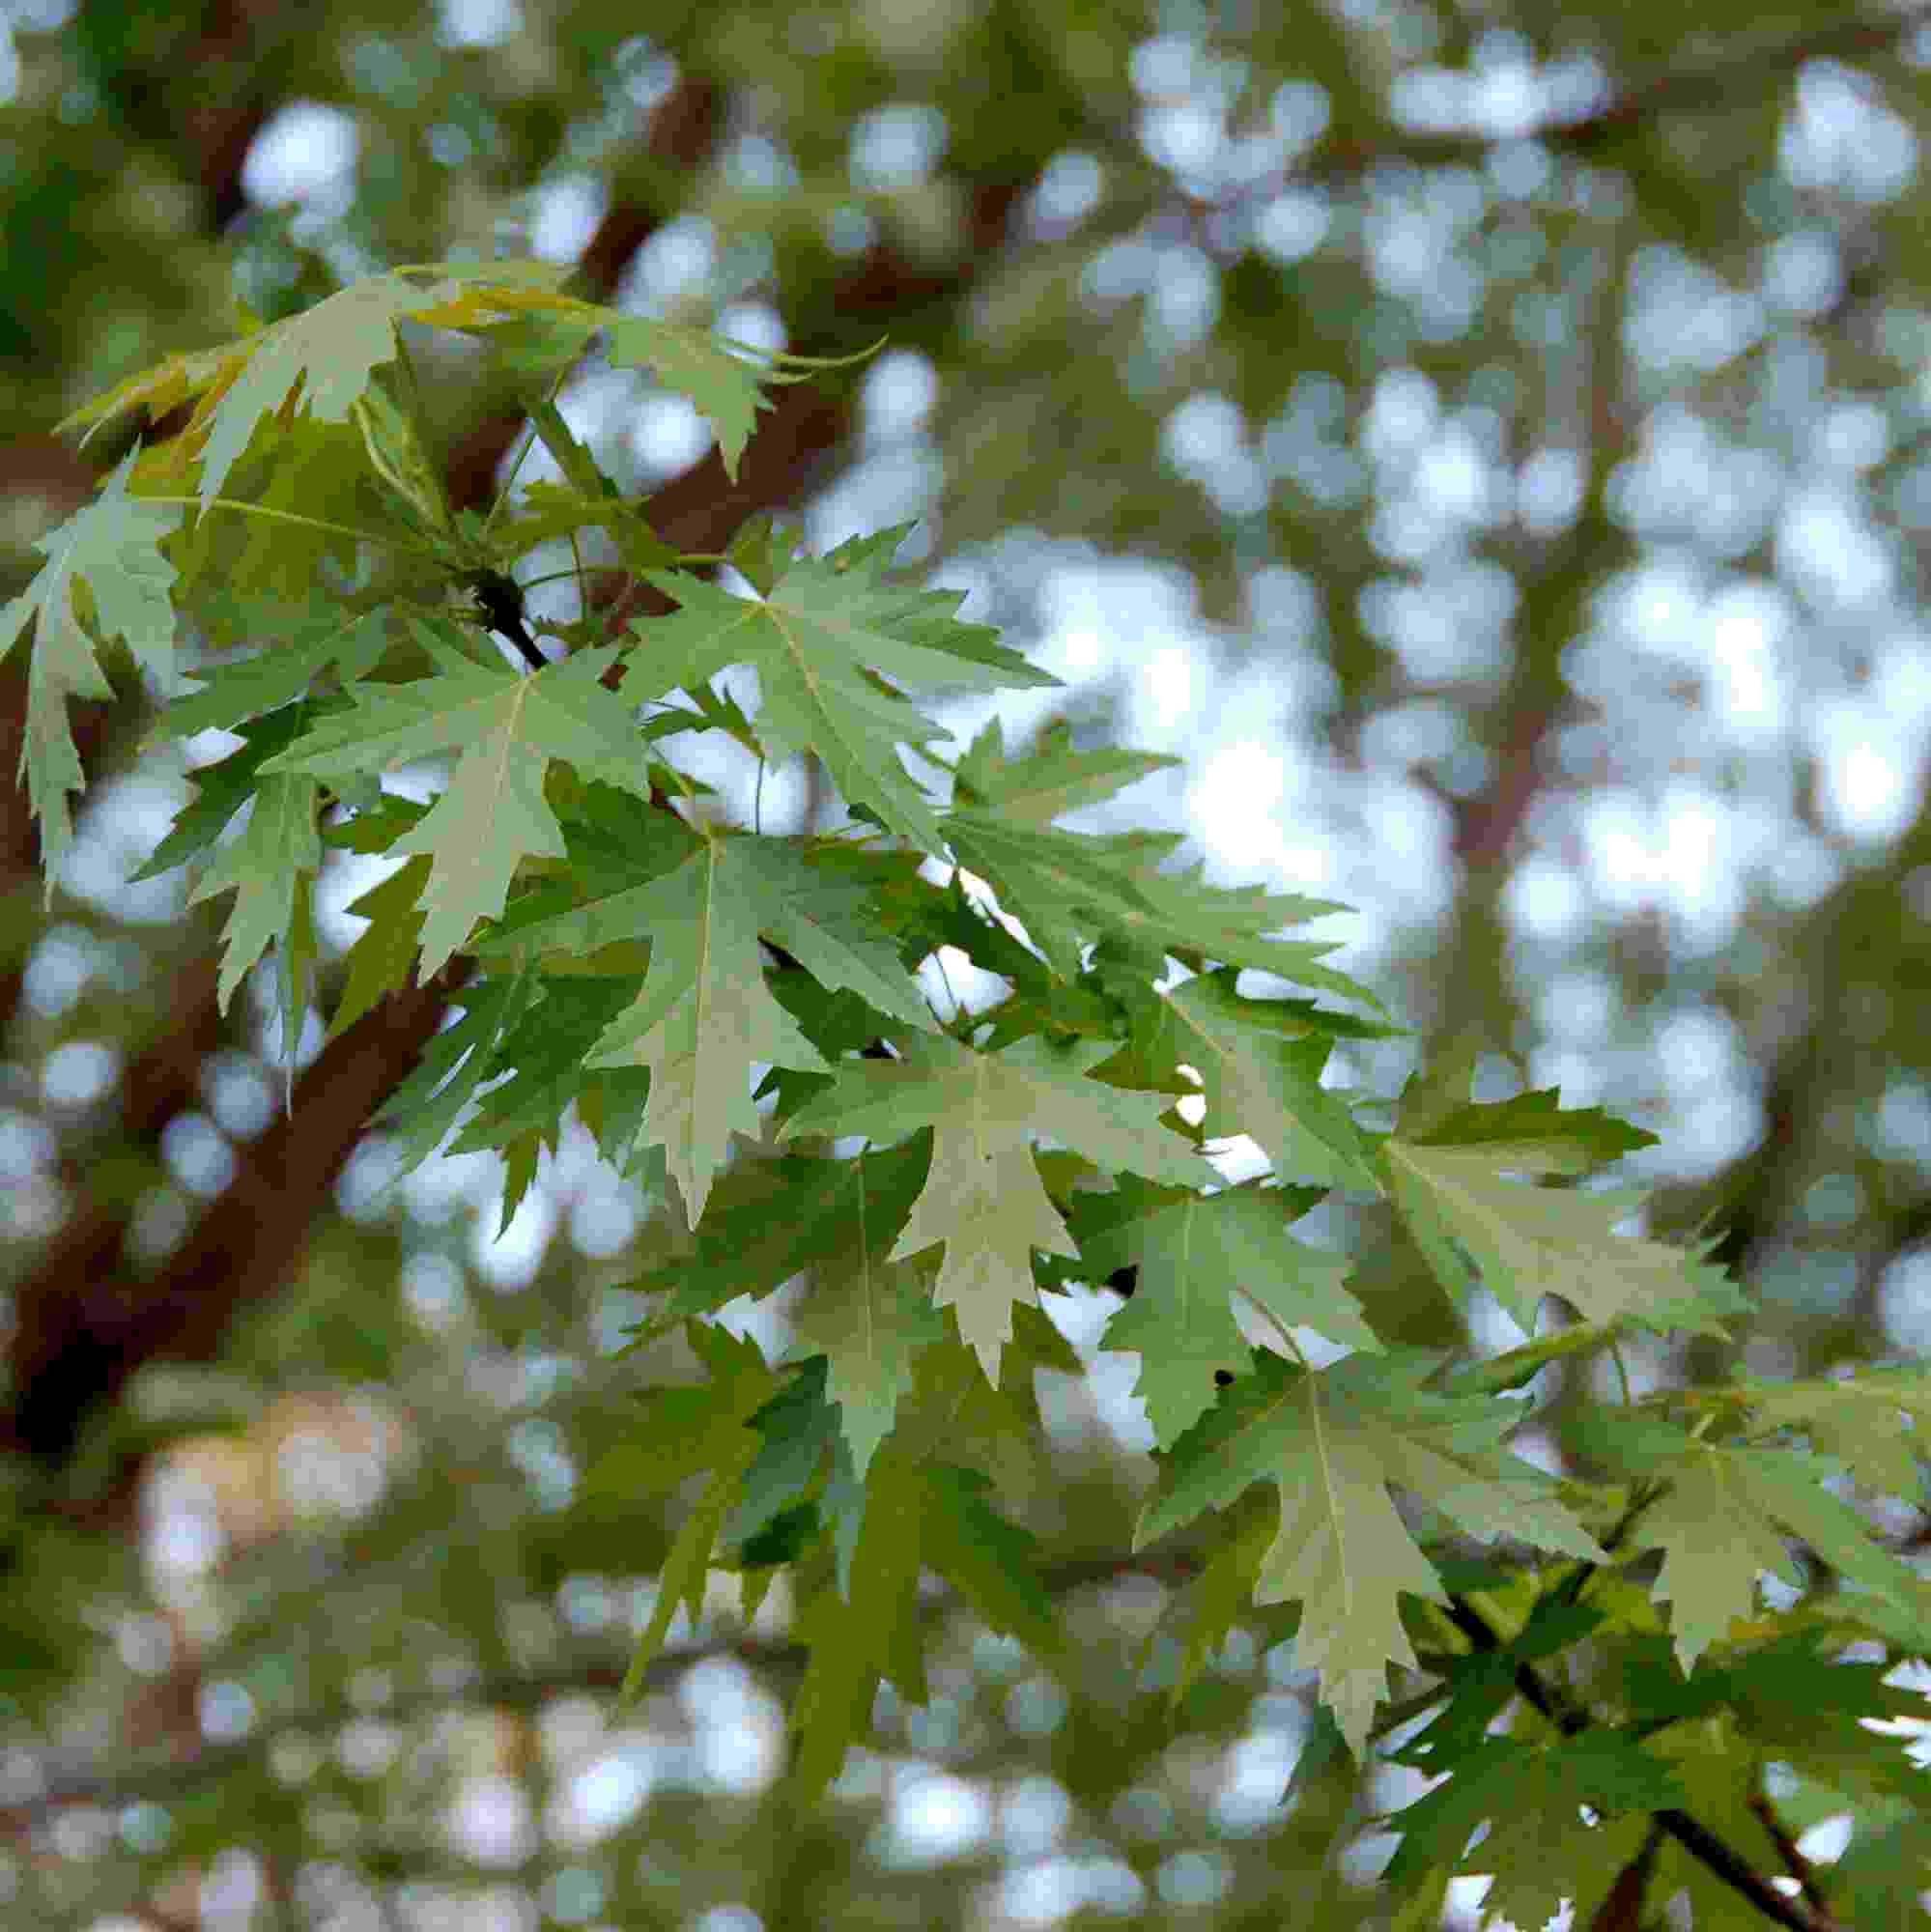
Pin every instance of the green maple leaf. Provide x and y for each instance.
(222, 789)
(1052, 779)
(704, 1428)
(863, 1630)
(1531, 1798)
(111, 547)
(991, 1561)
(700, 367)
(798, 1428)
(1259, 1063)
(1789, 1697)
(430, 1101)
(309, 639)
(828, 625)
(872, 1320)
(798, 898)
(1527, 1243)
(268, 865)
(1193, 1251)
(1723, 1517)
(1336, 1442)
(1219, 1596)
(769, 1219)
(1227, 924)
(378, 964)
(541, 1058)
(1876, 1422)
(704, 1016)
(982, 1197)
(1064, 887)
(916, 1514)
(493, 813)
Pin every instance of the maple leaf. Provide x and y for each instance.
(799, 898)
(493, 812)
(1879, 1422)
(863, 1630)
(705, 1014)
(1527, 1243)
(1218, 1596)
(1064, 886)
(160, 390)
(456, 1060)
(112, 548)
(273, 859)
(1336, 1442)
(719, 385)
(378, 964)
(330, 353)
(689, 1431)
(1723, 1516)
(1259, 1063)
(1052, 779)
(1788, 1696)
(1193, 1251)
(872, 1319)
(827, 625)
(916, 1515)
(982, 1197)
(1187, 917)
(309, 639)
(1531, 1797)
(766, 1221)
(717, 374)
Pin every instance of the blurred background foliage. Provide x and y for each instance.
(1487, 440)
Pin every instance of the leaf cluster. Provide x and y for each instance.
(746, 1016)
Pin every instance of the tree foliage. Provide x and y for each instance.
(681, 981)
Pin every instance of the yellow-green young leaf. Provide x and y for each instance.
(493, 813)
(112, 547)
(164, 388)
(982, 1197)
(829, 623)
(330, 353)
(1336, 1442)
(1193, 1252)
(705, 1014)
